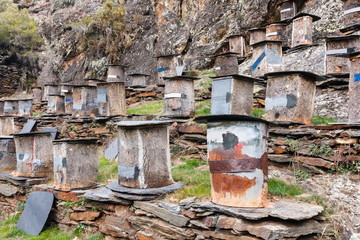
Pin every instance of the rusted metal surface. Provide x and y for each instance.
(339, 45)
(11, 107)
(232, 94)
(138, 80)
(7, 126)
(226, 64)
(111, 98)
(287, 10)
(257, 35)
(34, 154)
(168, 66)
(351, 10)
(277, 31)
(179, 96)
(115, 73)
(36, 94)
(25, 107)
(290, 96)
(51, 89)
(56, 104)
(143, 162)
(69, 172)
(237, 44)
(302, 29)
(267, 57)
(85, 100)
(7, 154)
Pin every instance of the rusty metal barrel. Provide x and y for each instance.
(75, 163)
(85, 100)
(25, 107)
(11, 107)
(34, 154)
(237, 157)
(111, 98)
(7, 154)
(115, 73)
(351, 10)
(144, 154)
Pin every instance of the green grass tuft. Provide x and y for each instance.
(153, 108)
(258, 112)
(202, 108)
(318, 120)
(281, 189)
(108, 169)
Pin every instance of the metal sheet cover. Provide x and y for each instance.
(38, 206)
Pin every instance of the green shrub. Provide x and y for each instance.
(108, 169)
(202, 108)
(319, 120)
(258, 112)
(152, 108)
(316, 150)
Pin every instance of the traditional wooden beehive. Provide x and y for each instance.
(93, 81)
(351, 9)
(266, 57)
(237, 44)
(138, 80)
(226, 64)
(85, 100)
(37, 94)
(7, 154)
(34, 154)
(237, 157)
(288, 9)
(115, 73)
(257, 35)
(2, 103)
(290, 96)
(302, 29)
(339, 45)
(67, 92)
(168, 66)
(277, 31)
(75, 163)
(25, 107)
(179, 96)
(56, 104)
(143, 162)
(51, 89)
(111, 98)
(7, 125)
(232, 94)
(11, 107)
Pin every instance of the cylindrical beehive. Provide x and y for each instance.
(168, 66)
(111, 98)
(85, 100)
(7, 154)
(226, 64)
(2, 103)
(351, 12)
(115, 73)
(288, 9)
(93, 81)
(11, 107)
(34, 154)
(138, 80)
(277, 32)
(257, 35)
(237, 156)
(7, 125)
(25, 107)
(67, 92)
(51, 89)
(56, 104)
(302, 29)
(266, 57)
(237, 45)
(144, 154)
(36, 94)
(65, 88)
(290, 96)
(179, 96)
(75, 163)
(232, 94)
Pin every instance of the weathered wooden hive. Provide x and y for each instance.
(232, 94)
(288, 9)
(56, 104)
(237, 157)
(277, 31)
(2, 103)
(37, 94)
(93, 81)
(111, 98)
(302, 29)
(339, 45)
(351, 9)
(25, 107)
(85, 100)
(266, 57)
(237, 44)
(168, 66)
(226, 64)
(138, 80)
(144, 154)
(51, 89)
(257, 35)
(179, 96)
(75, 163)
(11, 107)
(115, 73)
(7, 154)
(7, 125)
(290, 96)
(34, 154)
(67, 92)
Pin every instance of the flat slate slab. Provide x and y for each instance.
(135, 197)
(116, 187)
(105, 195)
(36, 212)
(7, 190)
